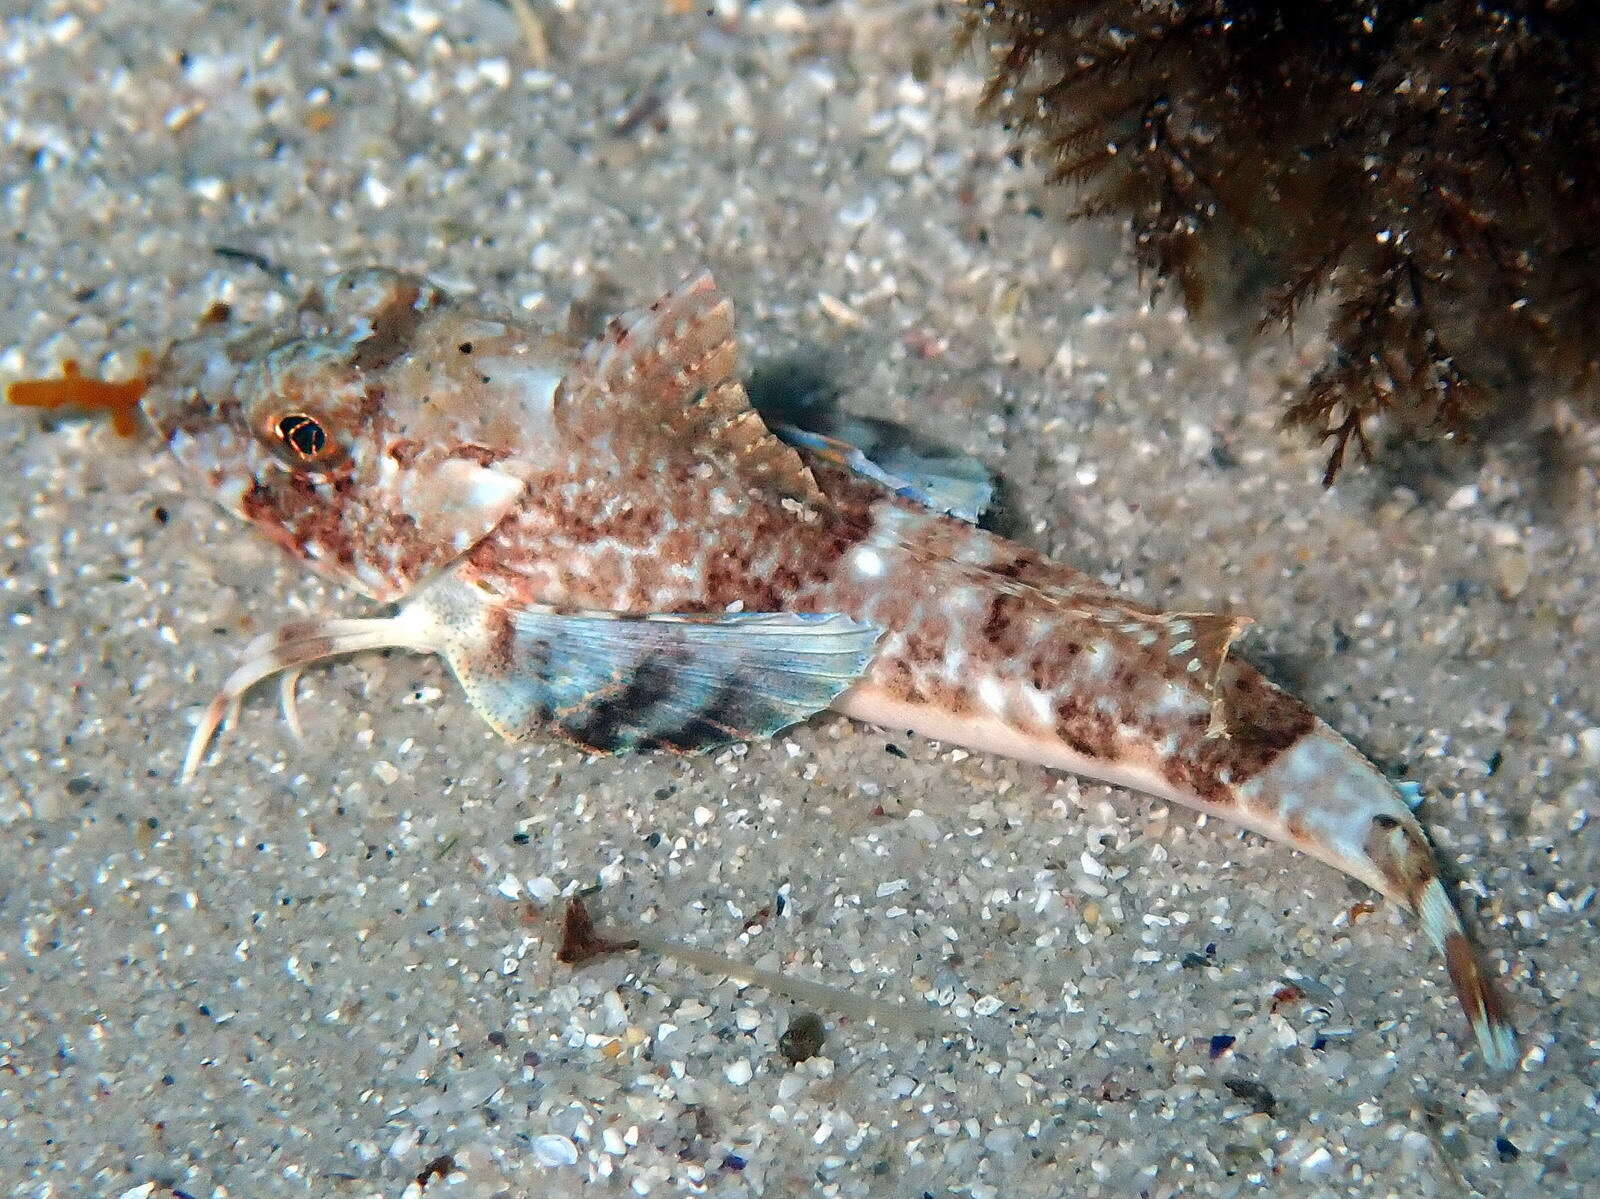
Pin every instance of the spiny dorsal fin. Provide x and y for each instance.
(670, 367)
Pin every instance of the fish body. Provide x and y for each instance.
(610, 545)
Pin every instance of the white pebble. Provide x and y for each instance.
(906, 159)
(378, 192)
(544, 257)
(1318, 1161)
(1589, 746)
(923, 827)
(740, 1072)
(496, 72)
(855, 215)
(555, 1151)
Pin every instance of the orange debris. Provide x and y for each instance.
(73, 390)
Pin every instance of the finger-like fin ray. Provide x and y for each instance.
(285, 652)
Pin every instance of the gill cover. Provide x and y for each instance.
(364, 433)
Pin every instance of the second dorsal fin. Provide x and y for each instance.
(669, 370)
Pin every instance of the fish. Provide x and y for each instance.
(609, 544)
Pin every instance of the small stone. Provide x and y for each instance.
(906, 159)
(861, 212)
(554, 1151)
(740, 1072)
(1318, 1162)
(1589, 746)
(1253, 1093)
(803, 1038)
(1512, 572)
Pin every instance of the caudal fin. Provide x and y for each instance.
(1480, 998)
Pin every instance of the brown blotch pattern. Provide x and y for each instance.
(1263, 722)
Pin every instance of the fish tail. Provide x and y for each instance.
(1324, 797)
(1481, 999)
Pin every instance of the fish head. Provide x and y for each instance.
(376, 433)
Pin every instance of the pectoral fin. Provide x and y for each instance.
(611, 683)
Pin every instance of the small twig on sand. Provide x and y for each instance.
(582, 941)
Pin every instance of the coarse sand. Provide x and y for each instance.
(328, 967)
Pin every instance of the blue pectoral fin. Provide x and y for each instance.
(612, 683)
(944, 481)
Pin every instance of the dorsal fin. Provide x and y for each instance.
(1197, 643)
(670, 369)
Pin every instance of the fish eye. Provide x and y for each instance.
(304, 436)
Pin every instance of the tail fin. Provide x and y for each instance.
(1480, 998)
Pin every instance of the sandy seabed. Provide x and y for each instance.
(327, 968)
